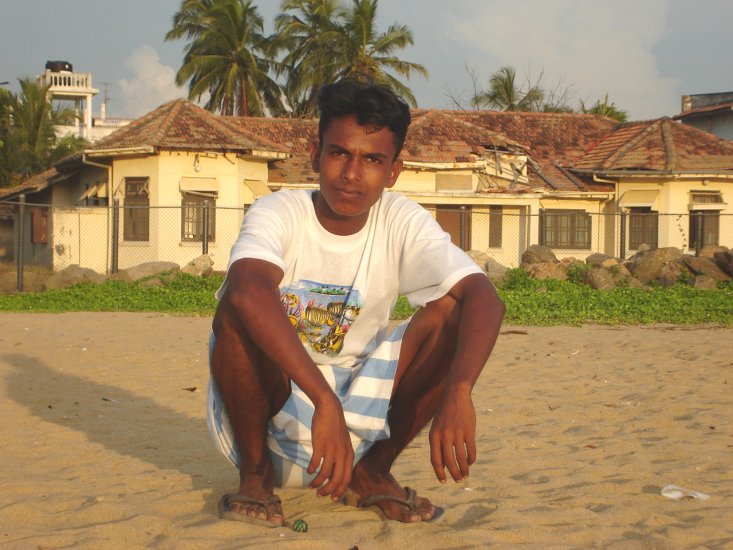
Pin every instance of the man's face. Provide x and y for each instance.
(356, 163)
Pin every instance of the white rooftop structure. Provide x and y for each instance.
(66, 85)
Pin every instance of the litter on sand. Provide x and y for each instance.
(675, 492)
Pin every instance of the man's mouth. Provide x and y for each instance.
(349, 193)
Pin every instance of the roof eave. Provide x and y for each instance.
(674, 174)
(120, 151)
(266, 155)
(419, 165)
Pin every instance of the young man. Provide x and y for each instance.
(309, 387)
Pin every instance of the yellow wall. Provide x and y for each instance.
(602, 227)
(674, 206)
(165, 172)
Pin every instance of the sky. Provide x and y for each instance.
(644, 54)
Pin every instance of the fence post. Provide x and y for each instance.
(115, 235)
(20, 259)
(462, 238)
(622, 236)
(205, 238)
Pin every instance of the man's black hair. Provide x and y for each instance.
(373, 105)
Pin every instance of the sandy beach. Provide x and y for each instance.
(103, 443)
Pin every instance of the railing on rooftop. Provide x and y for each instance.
(65, 80)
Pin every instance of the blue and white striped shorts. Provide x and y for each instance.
(364, 390)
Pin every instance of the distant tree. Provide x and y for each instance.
(28, 140)
(226, 57)
(307, 30)
(190, 19)
(367, 55)
(604, 108)
(327, 42)
(504, 94)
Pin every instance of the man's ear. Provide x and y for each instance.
(315, 156)
(394, 172)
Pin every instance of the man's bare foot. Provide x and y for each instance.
(240, 507)
(370, 487)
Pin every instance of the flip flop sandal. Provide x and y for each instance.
(410, 502)
(226, 512)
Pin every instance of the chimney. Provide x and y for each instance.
(686, 103)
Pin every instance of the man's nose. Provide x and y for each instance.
(352, 169)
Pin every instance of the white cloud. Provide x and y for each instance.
(599, 47)
(151, 84)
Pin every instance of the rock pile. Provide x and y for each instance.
(665, 266)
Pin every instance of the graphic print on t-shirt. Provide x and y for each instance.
(321, 313)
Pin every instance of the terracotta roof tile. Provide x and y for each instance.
(293, 134)
(660, 145)
(703, 110)
(31, 185)
(180, 124)
(554, 141)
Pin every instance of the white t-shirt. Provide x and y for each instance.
(338, 291)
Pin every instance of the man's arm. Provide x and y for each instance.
(453, 432)
(252, 290)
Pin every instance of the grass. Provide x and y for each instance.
(529, 302)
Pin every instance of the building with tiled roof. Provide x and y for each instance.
(709, 112)
(496, 181)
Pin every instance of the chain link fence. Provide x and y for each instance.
(111, 238)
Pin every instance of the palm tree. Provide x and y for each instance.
(606, 109)
(504, 95)
(226, 57)
(368, 54)
(308, 31)
(189, 20)
(29, 143)
(327, 42)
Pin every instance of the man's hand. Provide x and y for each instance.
(333, 455)
(453, 435)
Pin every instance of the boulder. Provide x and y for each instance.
(599, 278)
(201, 266)
(647, 265)
(536, 254)
(480, 257)
(602, 260)
(495, 270)
(147, 269)
(725, 261)
(545, 270)
(709, 250)
(489, 265)
(672, 273)
(699, 265)
(704, 282)
(73, 275)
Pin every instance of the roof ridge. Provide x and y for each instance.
(169, 118)
(630, 144)
(239, 124)
(670, 150)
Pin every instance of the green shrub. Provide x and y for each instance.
(528, 301)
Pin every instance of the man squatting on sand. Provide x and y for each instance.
(309, 387)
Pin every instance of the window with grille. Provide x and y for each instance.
(495, 226)
(643, 227)
(565, 229)
(136, 215)
(704, 228)
(706, 197)
(196, 208)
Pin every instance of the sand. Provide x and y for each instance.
(104, 445)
